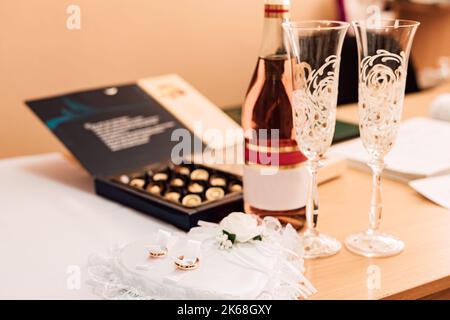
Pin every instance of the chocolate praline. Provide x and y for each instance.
(177, 182)
(154, 188)
(200, 174)
(185, 171)
(235, 187)
(217, 181)
(195, 187)
(137, 183)
(191, 200)
(173, 196)
(214, 193)
(160, 176)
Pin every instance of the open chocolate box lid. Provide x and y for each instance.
(124, 128)
(110, 131)
(128, 128)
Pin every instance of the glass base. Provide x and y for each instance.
(317, 245)
(374, 244)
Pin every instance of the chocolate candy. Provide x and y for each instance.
(195, 187)
(185, 171)
(138, 183)
(160, 176)
(214, 193)
(154, 188)
(235, 187)
(177, 182)
(186, 184)
(200, 174)
(192, 200)
(217, 181)
(124, 179)
(172, 196)
(149, 174)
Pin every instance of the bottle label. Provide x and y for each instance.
(283, 191)
(275, 176)
(276, 11)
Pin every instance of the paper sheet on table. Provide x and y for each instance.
(437, 189)
(422, 149)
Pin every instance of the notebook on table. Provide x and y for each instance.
(421, 150)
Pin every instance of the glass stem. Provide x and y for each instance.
(312, 204)
(376, 204)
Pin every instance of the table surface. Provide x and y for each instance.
(421, 270)
(51, 221)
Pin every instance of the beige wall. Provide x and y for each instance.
(211, 43)
(432, 40)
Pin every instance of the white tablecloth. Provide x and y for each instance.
(50, 221)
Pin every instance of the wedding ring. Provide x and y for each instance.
(186, 265)
(158, 253)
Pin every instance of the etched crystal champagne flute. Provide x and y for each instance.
(383, 49)
(314, 52)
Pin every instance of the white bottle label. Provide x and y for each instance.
(282, 191)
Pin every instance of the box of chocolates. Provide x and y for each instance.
(123, 136)
(179, 194)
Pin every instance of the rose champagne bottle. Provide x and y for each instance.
(275, 179)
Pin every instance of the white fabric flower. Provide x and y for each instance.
(244, 226)
(227, 245)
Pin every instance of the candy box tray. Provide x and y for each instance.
(174, 212)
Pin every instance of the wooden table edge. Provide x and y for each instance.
(436, 288)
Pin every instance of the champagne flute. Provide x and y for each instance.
(314, 52)
(383, 48)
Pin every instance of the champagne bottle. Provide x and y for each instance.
(275, 178)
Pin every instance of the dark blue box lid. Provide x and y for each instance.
(110, 130)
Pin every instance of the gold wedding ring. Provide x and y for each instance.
(158, 254)
(187, 267)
